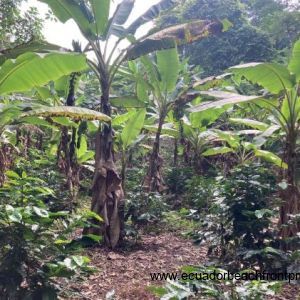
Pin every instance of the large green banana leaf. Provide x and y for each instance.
(271, 157)
(33, 69)
(133, 128)
(66, 10)
(100, 10)
(168, 67)
(203, 119)
(271, 76)
(217, 151)
(294, 65)
(127, 102)
(32, 46)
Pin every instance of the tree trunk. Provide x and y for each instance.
(67, 150)
(108, 197)
(291, 195)
(68, 164)
(2, 165)
(175, 157)
(153, 180)
(6, 161)
(123, 170)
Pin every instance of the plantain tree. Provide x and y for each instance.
(130, 125)
(281, 98)
(158, 85)
(101, 31)
(67, 157)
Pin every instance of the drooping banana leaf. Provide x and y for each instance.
(210, 82)
(120, 16)
(261, 139)
(217, 151)
(165, 130)
(7, 114)
(271, 76)
(152, 13)
(44, 93)
(61, 86)
(271, 157)
(75, 113)
(65, 10)
(33, 70)
(175, 35)
(33, 120)
(250, 123)
(64, 121)
(32, 46)
(226, 99)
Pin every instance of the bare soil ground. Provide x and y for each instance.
(128, 272)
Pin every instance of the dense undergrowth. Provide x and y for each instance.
(125, 137)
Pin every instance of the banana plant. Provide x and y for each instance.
(282, 99)
(31, 113)
(25, 71)
(206, 142)
(166, 85)
(69, 146)
(129, 136)
(198, 141)
(244, 150)
(93, 19)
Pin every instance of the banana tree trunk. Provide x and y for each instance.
(2, 165)
(291, 195)
(67, 154)
(68, 164)
(108, 197)
(175, 156)
(6, 161)
(123, 169)
(153, 181)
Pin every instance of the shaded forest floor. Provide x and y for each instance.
(126, 274)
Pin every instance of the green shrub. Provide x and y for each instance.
(237, 226)
(35, 243)
(182, 221)
(199, 192)
(176, 179)
(144, 208)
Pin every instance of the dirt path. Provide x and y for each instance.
(128, 273)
